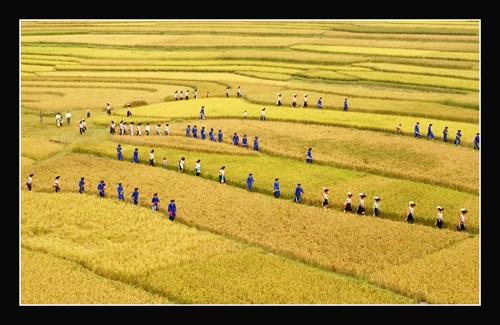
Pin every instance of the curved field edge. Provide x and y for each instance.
(48, 279)
(462, 259)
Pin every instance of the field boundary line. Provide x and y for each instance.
(98, 274)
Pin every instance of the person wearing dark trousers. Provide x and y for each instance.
(152, 158)
(29, 182)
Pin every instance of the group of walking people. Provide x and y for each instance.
(430, 134)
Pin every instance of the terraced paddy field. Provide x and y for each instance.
(229, 245)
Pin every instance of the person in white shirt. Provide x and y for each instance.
(120, 127)
(108, 109)
(197, 167)
(131, 128)
(461, 220)
(30, 181)
(56, 184)
(398, 129)
(166, 131)
(222, 177)
(187, 94)
(181, 164)
(262, 116)
(68, 117)
(112, 128)
(376, 206)
(227, 92)
(164, 162)
(152, 158)
(245, 114)
(58, 119)
(148, 129)
(410, 217)
(181, 96)
(158, 129)
(80, 125)
(139, 129)
(304, 104)
(348, 203)
(239, 91)
(439, 218)
(325, 197)
(294, 100)
(278, 102)
(361, 207)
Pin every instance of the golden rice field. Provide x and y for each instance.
(259, 219)
(131, 255)
(229, 245)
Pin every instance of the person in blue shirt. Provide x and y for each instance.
(277, 192)
(119, 151)
(203, 134)
(195, 132)
(250, 182)
(346, 107)
(236, 139)
(430, 134)
(136, 156)
(445, 134)
(457, 137)
(135, 196)
(154, 202)
(81, 186)
(172, 210)
(121, 194)
(188, 131)
(219, 135)
(244, 141)
(256, 144)
(476, 142)
(211, 135)
(417, 130)
(320, 103)
(309, 156)
(298, 194)
(101, 187)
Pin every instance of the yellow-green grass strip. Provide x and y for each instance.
(233, 108)
(467, 56)
(396, 192)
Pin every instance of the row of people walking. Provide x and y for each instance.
(123, 129)
(193, 132)
(319, 103)
(347, 207)
(430, 134)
